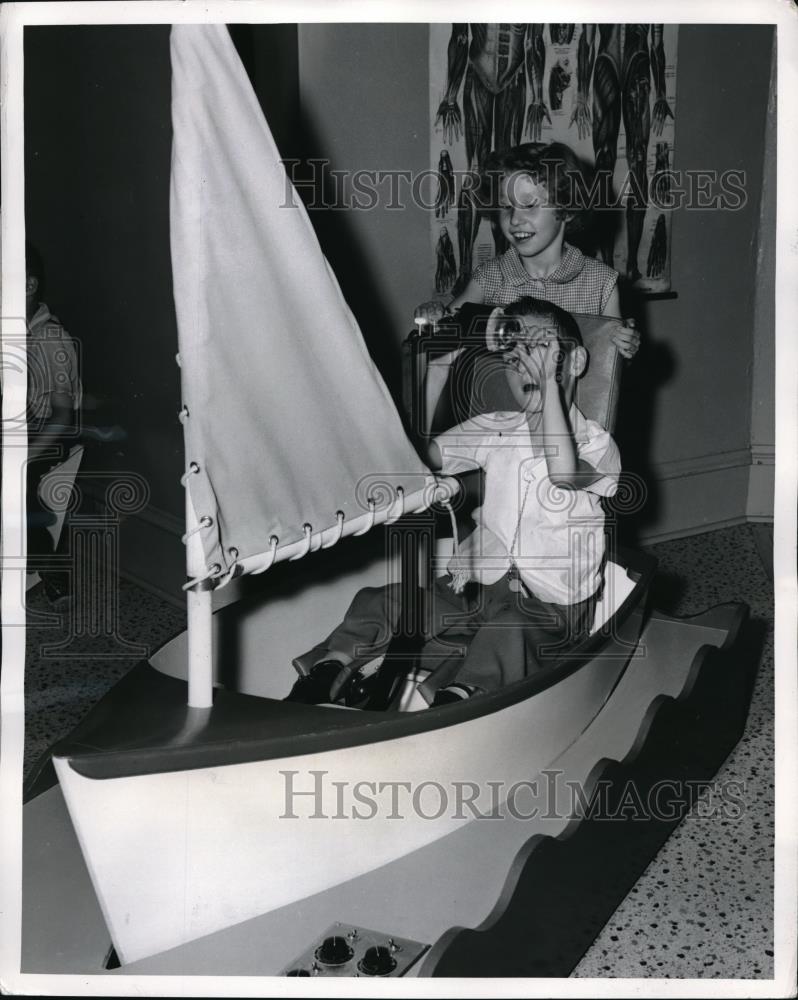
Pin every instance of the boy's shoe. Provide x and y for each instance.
(453, 693)
(327, 681)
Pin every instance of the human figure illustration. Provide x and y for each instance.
(561, 34)
(621, 88)
(446, 185)
(559, 81)
(603, 67)
(495, 64)
(446, 269)
(661, 181)
(658, 251)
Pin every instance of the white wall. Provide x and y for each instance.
(363, 91)
(698, 398)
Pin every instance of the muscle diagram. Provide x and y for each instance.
(658, 251)
(639, 65)
(603, 66)
(446, 266)
(600, 88)
(446, 185)
(661, 181)
(494, 64)
(559, 81)
(621, 91)
(561, 34)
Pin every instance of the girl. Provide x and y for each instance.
(540, 193)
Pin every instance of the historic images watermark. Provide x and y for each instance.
(551, 796)
(323, 187)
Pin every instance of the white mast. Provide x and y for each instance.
(200, 641)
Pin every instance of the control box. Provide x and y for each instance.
(348, 950)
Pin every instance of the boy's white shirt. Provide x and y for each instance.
(556, 535)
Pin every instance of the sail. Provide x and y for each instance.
(292, 439)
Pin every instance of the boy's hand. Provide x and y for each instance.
(542, 354)
(626, 338)
(430, 312)
(551, 360)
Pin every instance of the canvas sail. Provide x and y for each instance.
(292, 439)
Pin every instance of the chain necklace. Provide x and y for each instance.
(515, 583)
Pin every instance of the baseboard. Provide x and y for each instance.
(695, 495)
(761, 482)
(654, 537)
(701, 465)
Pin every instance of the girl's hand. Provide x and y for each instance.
(430, 312)
(626, 338)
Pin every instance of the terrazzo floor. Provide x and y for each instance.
(704, 906)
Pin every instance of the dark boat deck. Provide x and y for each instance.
(144, 725)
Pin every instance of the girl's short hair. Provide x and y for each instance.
(554, 165)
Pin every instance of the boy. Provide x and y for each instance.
(524, 585)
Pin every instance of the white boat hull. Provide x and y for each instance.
(185, 850)
(177, 855)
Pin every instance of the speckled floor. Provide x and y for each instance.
(703, 907)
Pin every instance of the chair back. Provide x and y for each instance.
(596, 392)
(478, 384)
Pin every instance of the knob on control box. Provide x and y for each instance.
(334, 951)
(378, 961)
(349, 950)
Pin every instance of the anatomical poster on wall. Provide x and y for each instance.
(606, 90)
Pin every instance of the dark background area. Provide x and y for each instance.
(97, 160)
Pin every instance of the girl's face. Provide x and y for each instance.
(529, 222)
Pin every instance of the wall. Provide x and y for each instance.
(696, 373)
(98, 147)
(364, 101)
(97, 159)
(687, 399)
(97, 155)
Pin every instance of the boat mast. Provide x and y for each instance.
(200, 640)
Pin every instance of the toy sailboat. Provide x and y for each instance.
(198, 807)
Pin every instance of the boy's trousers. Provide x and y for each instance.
(486, 637)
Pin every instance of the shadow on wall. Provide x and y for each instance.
(354, 269)
(638, 501)
(270, 56)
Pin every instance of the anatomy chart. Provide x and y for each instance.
(607, 90)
